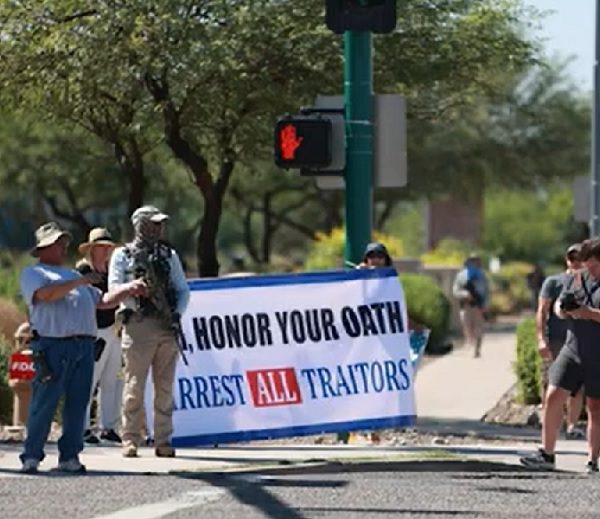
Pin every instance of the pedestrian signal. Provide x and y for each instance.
(303, 142)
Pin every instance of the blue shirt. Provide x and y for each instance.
(121, 270)
(74, 314)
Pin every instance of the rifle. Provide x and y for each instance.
(162, 294)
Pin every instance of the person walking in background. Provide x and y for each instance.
(552, 332)
(62, 312)
(149, 327)
(108, 358)
(470, 288)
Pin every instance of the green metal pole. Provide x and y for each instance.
(358, 98)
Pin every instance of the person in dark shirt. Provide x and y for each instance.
(97, 251)
(535, 280)
(552, 332)
(578, 363)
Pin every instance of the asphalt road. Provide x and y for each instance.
(408, 489)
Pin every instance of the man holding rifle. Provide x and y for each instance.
(151, 330)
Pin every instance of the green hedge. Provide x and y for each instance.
(428, 305)
(529, 363)
(509, 291)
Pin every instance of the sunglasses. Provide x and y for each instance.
(376, 255)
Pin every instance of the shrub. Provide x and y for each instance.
(327, 251)
(529, 363)
(428, 305)
(509, 290)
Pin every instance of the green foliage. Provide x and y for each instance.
(509, 291)
(209, 79)
(327, 251)
(529, 363)
(448, 253)
(527, 225)
(5, 351)
(427, 305)
(407, 222)
(11, 265)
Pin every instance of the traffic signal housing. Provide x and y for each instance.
(303, 142)
(377, 16)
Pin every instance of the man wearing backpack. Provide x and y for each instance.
(471, 290)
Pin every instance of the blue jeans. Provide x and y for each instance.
(71, 362)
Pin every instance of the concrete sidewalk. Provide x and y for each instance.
(458, 386)
(106, 461)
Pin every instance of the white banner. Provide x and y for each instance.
(289, 355)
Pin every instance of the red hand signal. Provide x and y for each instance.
(290, 141)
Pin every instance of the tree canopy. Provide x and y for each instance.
(202, 83)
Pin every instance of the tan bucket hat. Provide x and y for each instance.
(97, 236)
(48, 234)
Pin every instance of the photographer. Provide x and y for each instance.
(551, 333)
(578, 363)
(97, 251)
(149, 327)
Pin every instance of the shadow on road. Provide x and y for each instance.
(476, 428)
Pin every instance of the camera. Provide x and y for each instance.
(568, 302)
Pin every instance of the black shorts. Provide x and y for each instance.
(569, 373)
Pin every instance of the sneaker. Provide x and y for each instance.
(539, 461)
(575, 433)
(129, 450)
(30, 466)
(165, 451)
(110, 436)
(72, 466)
(592, 467)
(90, 438)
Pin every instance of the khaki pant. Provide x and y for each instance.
(472, 321)
(147, 344)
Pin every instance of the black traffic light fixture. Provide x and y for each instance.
(361, 15)
(303, 141)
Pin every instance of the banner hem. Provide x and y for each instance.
(288, 432)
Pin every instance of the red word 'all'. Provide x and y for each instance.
(272, 387)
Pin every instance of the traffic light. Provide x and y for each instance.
(361, 15)
(303, 141)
